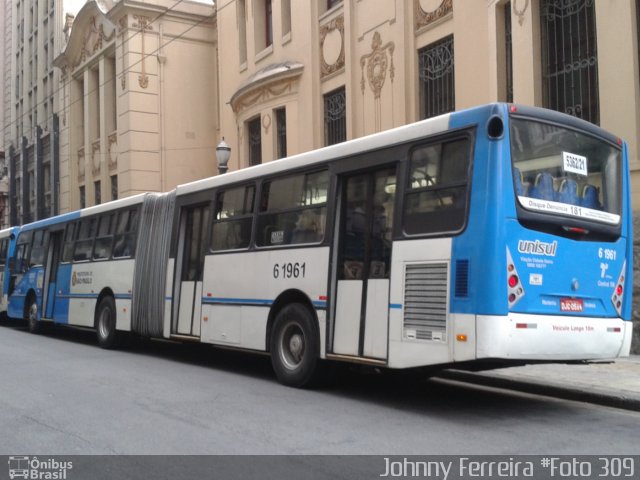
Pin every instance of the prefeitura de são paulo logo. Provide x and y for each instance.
(38, 469)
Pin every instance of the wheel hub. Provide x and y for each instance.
(295, 345)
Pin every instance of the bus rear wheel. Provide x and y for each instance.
(295, 347)
(108, 337)
(31, 315)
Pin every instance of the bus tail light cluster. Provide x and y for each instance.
(618, 291)
(514, 285)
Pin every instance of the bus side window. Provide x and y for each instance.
(84, 243)
(233, 218)
(293, 210)
(23, 249)
(104, 239)
(69, 237)
(436, 197)
(40, 240)
(124, 245)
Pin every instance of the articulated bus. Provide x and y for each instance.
(492, 236)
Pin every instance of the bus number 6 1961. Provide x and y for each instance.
(289, 270)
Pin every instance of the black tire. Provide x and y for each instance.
(295, 347)
(31, 315)
(105, 322)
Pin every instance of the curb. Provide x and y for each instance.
(538, 388)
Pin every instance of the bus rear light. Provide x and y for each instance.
(513, 109)
(582, 231)
(527, 325)
(514, 287)
(618, 292)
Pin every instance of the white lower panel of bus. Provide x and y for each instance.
(545, 337)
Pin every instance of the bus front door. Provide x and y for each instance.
(364, 264)
(189, 270)
(54, 253)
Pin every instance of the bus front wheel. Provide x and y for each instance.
(106, 323)
(295, 347)
(31, 315)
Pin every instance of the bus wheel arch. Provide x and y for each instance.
(31, 312)
(105, 320)
(285, 298)
(293, 339)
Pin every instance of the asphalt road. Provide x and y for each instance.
(61, 394)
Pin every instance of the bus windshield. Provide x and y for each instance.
(561, 171)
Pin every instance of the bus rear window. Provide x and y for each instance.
(560, 171)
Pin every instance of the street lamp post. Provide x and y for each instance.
(223, 152)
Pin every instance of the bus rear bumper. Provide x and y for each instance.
(546, 337)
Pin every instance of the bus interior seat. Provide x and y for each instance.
(521, 186)
(543, 187)
(568, 191)
(590, 197)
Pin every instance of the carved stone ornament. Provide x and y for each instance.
(93, 41)
(266, 123)
(95, 157)
(81, 163)
(423, 18)
(143, 24)
(123, 25)
(520, 12)
(264, 94)
(335, 24)
(376, 64)
(113, 151)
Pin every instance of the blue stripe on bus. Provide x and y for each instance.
(395, 306)
(120, 296)
(250, 301)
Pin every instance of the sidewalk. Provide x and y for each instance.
(612, 384)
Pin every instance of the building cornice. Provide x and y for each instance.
(270, 75)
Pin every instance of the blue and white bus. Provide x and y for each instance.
(491, 236)
(77, 269)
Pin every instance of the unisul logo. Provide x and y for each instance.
(35, 469)
(538, 248)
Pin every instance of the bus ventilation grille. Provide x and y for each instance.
(425, 301)
(462, 278)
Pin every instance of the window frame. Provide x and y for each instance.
(466, 134)
(424, 110)
(259, 213)
(254, 147)
(335, 129)
(214, 221)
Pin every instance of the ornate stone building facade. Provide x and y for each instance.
(146, 89)
(296, 75)
(138, 99)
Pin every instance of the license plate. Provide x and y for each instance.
(571, 305)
